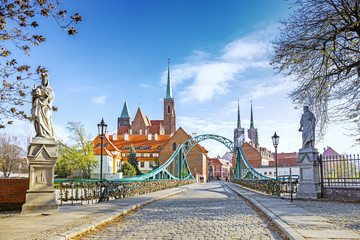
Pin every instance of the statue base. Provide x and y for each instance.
(42, 156)
(309, 185)
(37, 201)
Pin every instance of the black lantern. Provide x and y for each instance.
(275, 140)
(102, 130)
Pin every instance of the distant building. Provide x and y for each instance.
(239, 132)
(220, 167)
(252, 131)
(196, 158)
(257, 156)
(141, 125)
(111, 159)
(285, 162)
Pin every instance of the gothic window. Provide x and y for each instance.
(168, 108)
(174, 146)
(140, 132)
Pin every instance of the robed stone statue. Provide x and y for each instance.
(42, 99)
(42, 152)
(307, 127)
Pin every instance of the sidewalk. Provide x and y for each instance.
(72, 220)
(296, 222)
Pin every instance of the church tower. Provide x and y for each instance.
(252, 132)
(124, 119)
(239, 132)
(169, 107)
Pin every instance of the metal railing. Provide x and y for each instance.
(340, 171)
(93, 191)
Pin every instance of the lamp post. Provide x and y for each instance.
(102, 130)
(275, 140)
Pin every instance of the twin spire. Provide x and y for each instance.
(238, 121)
(251, 117)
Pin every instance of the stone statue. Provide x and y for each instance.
(307, 127)
(42, 99)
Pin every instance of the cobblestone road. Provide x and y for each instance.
(208, 211)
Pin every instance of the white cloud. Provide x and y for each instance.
(205, 76)
(100, 99)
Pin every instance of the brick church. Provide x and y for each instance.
(141, 125)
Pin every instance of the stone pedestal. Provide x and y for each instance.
(42, 156)
(309, 185)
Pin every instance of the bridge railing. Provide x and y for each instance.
(92, 191)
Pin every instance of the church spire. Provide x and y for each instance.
(169, 94)
(251, 118)
(238, 120)
(125, 111)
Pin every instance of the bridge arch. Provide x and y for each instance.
(176, 167)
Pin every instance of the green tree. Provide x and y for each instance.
(18, 20)
(128, 169)
(65, 162)
(80, 155)
(132, 159)
(10, 154)
(319, 47)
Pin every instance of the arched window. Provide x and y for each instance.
(168, 108)
(140, 132)
(174, 146)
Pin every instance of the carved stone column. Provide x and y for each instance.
(42, 156)
(309, 185)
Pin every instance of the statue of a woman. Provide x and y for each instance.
(307, 127)
(42, 99)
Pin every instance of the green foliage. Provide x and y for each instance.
(78, 156)
(18, 21)
(319, 47)
(128, 169)
(132, 159)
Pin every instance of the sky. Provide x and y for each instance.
(219, 54)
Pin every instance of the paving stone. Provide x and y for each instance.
(208, 211)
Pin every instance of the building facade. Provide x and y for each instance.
(196, 158)
(141, 125)
(220, 168)
(252, 131)
(239, 132)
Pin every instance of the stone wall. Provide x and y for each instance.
(341, 193)
(13, 193)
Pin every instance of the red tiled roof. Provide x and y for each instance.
(123, 129)
(105, 151)
(154, 129)
(156, 122)
(285, 160)
(148, 146)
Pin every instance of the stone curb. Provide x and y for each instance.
(284, 227)
(111, 216)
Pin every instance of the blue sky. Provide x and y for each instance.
(219, 53)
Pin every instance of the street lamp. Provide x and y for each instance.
(275, 140)
(101, 130)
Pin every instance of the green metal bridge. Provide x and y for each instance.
(176, 167)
